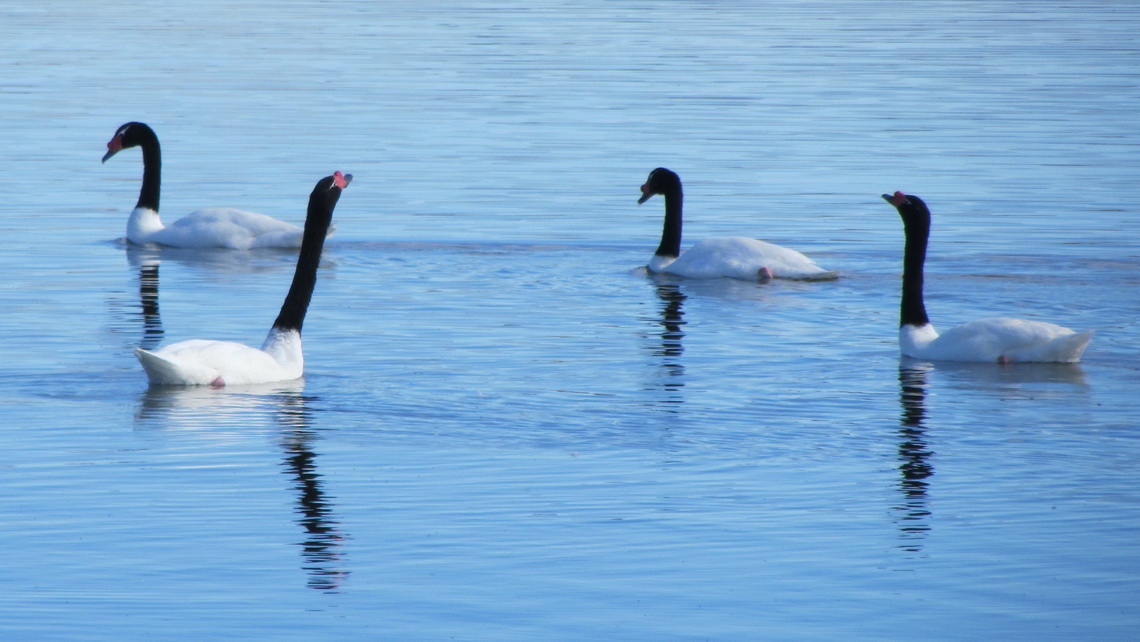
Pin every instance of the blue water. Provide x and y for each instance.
(508, 431)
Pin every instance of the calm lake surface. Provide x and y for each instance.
(508, 431)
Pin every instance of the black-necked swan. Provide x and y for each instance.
(996, 339)
(210, 227)
(200, 362)
(737, 257)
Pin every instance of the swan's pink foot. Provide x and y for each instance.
(218, 383)
(764, 274)
(1004, 360)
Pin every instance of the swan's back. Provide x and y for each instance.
(230, 228)
(740, 257)
(1006, 339)
(202, 362)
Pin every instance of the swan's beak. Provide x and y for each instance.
(898, 199)
(113, 147)
(645, 194)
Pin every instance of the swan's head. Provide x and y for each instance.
(328, 188)
(128, 135)
(660, 181)
(911, 208)
(322, 201)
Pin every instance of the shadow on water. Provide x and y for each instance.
(281, 406)
(671, 318)
(914, 455)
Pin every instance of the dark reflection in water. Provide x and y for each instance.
(148, 298)
(322, 549)
(131, 312)
(234, 413)
(669, 351)
(914, 455)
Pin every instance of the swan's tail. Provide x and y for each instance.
(163, 371)
(158, 370)
(1066, 348)
(1069, 348)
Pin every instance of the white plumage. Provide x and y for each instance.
(200, 362)
(995, 339)
(213, 227)
(739, 257)
(734, 257)
(210, 227)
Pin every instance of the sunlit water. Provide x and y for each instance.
(507, 431)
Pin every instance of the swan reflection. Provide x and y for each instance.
(231, 415)
(130, 312)
(1031, 380)
(148, 300)
(668, 351)
(914, 457)
(1011, 377)
(205, 409)
(217, 265)
(322, 547)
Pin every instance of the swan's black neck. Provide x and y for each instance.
(152, 166)
(916, 224)
(296, 305)
(671, 233)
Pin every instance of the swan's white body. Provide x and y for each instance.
(735, 257)
(213, 227)
(995, 339)
(210, 227)
(200, 362)
(739, 257)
